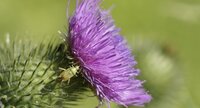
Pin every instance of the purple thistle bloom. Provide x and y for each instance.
(103, 55)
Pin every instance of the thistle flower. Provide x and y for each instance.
(103, 55)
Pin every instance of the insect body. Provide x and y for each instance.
(67, 74)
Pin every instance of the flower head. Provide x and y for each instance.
(104, 56)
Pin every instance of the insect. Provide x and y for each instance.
(67, 74)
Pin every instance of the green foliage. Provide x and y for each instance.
(160, 68)
(29, 76)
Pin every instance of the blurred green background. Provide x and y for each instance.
(153, 26)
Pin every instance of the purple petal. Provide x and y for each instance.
(104, 56)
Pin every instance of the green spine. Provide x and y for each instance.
(29, 76)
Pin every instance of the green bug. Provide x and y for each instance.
(67, 74)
